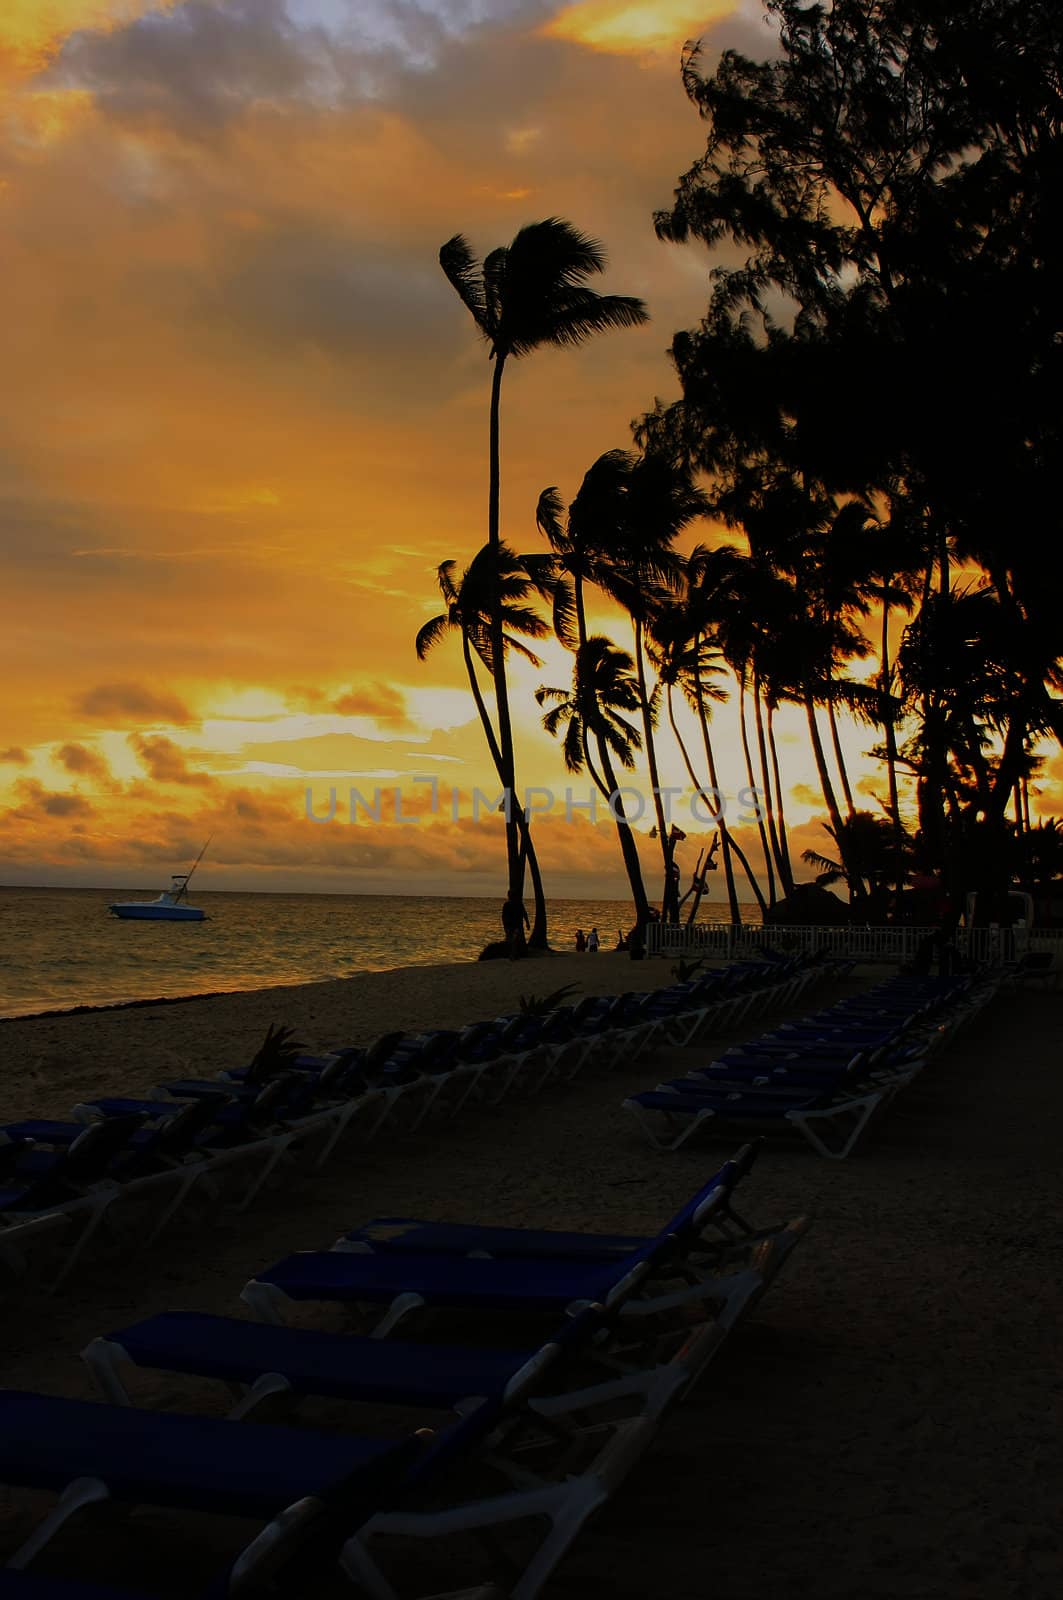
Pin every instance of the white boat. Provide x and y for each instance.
(171, 905)
(167, 908)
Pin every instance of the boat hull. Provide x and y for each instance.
(148, 911)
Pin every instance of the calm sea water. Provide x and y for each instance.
(62, 948)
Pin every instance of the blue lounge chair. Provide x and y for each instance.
(73, 1180)
(296, 1552)
(832, 1120)
(262, 1361)
(91, 1453)
(655, 1280)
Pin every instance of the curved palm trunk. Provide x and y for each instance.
(786, 870)
(765, 780)
(670, 891)
(838, 756)
(581, 610)
(514, 855)
(628, 847)
(538, 938)
(886, 690)
(764, 844)
(726, 841)
(934, 780)
(829, 796)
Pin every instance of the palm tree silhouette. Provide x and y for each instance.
(529, 293)
(683, 648)
(469, 602)
(618, 535)
(603, 685)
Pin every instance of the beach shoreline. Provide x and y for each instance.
(54, 1059)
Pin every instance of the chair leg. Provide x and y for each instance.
(75, 1497)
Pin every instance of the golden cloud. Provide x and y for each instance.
(33, 31)
(164, 761)
(636, 27)
(125, 702)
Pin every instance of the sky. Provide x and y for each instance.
(245, 417)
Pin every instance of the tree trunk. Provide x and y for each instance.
(538, 938)
(785, 865)
(726, 841)
(670, 892)
(885, 679)
(762, 751)
(514, 855)
(838, 756)
(764, 845)
(856, 888)
(628, 847)
(710, 762)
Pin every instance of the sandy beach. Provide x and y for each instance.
(50, 1062)
(881, 1428)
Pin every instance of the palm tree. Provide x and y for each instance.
(618, 535)
(869, 865)
(603, 685)
(529, 293)
(687, 633)
(468, 613)
(683, 653)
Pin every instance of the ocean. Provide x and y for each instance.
(61, 948)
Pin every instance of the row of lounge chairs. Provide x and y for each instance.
(529, 1435)
(825, 1077)
(132, 1164)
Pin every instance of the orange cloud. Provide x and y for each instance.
(163, 761)
(83, 762)
(377, 700)
(125, 702)
(32, 31)
(636, 27)
(34, 797)
(14, 756)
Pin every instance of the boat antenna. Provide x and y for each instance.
(184, 887)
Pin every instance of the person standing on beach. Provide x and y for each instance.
(581, 941)
(514, 921)
(592, 940)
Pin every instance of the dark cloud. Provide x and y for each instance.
(312, 282)
(377, 700)
(34, 798)
(164, 761)
(132, 702)
(83, 762)
(200, 65)
(14, 756)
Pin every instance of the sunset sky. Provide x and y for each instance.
(245, 417)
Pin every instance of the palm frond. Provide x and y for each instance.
(572, 749)
(564, 608)
(445, 579)
(431, 635)
(586, 313)
(495, 273)
(548, 513)
(544, 695)
(464, 275)
(521, 650)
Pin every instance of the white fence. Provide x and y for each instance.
(992, 945)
